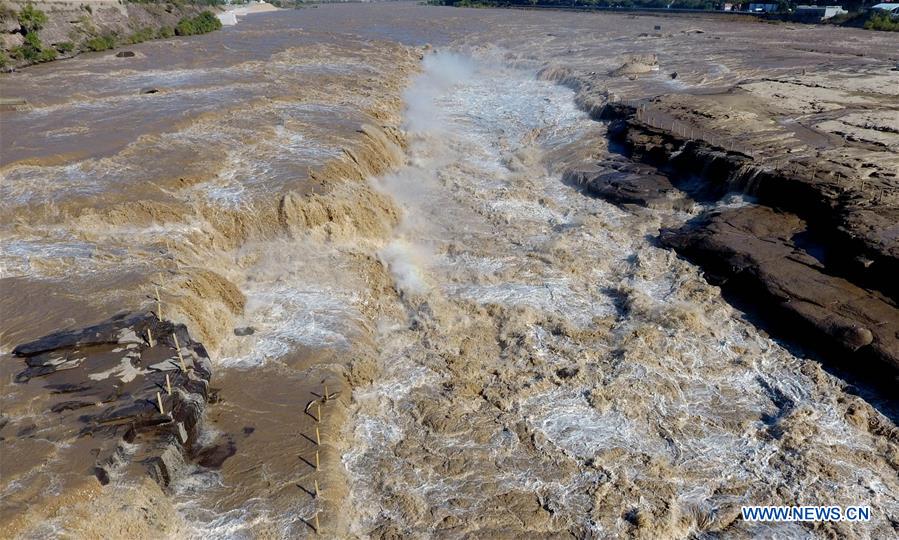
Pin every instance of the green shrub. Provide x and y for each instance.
(65, 47)
(882, 21)
(185, 27)
(31, 18)
(166, 32)
(141, 35)
(4, 60)
(201, 24)
(31, 49)
(47, 55)
(100, 43)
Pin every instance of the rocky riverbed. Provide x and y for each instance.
(109, 401)
(820, 250)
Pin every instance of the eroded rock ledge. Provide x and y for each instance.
(753, 251)
(815, 252)
(120, 394)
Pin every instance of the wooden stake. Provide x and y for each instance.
(149, 337)
(158, 305)
(316, 523)
(168, 384)
(316, 460)
(325, 395)
(180, 358)
(318, 410)
(316, 488)
(318, 437)
(159, 399)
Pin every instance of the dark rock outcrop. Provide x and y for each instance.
(625, 184)
(753, 252)
(123, 385)
(817, 256)
(862, 225)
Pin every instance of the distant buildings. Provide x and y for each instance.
(763, 8)
(893, 9)
(818, 13)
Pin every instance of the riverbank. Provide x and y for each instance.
(46, 30)
(804, 262)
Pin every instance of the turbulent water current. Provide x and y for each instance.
(545, 366)
(554, 369)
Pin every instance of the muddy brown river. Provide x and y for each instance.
(370, 199)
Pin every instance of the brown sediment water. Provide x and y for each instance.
(256, 142)
(507, 356)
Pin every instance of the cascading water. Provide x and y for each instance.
(554, 370)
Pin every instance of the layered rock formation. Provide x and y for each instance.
(759, 252)
(119, 401)
(818, 251)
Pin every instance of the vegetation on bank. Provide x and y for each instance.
(32, 50)
(201, 24)
(882, 21)
(188, 26)
(31, 20)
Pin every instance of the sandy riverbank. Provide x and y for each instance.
(229, 17)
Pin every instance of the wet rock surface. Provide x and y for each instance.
(629, 184)
(817, 249)
(119, 397)
(753, 251)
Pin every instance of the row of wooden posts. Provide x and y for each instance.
(151, 343)
(324, 398)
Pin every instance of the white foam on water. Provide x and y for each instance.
(695, 388)
(516, 209)
(286, 317)
(29, 184)
(404, 261)
(551, 296)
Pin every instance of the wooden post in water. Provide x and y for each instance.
(180, 357)
(317, 529)
(149, 338)
(159, 400)
(318, 438)
(168, 384)
(316, 460)
(318, 412)
(325, 394)
(316, 488)
(158, 305)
